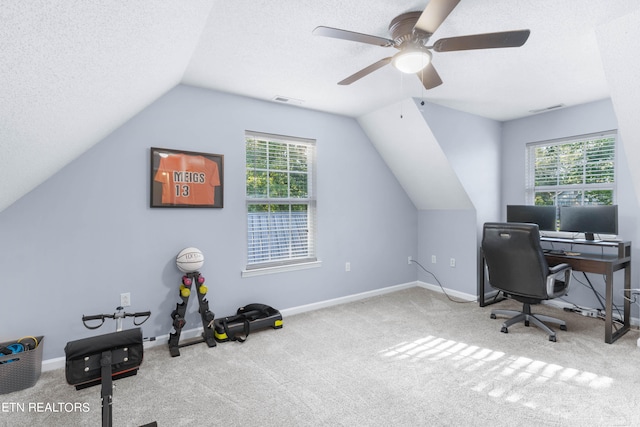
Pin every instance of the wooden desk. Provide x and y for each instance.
(614, 256)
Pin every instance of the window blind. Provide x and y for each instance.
(281, 203)
(576, 171)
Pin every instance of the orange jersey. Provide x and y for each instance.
(188, 180)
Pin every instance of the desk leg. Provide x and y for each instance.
(627, 298)
(609, 334)
(608, 310)
(481, 280)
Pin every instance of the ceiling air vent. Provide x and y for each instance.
(287, 100)
(542, 110)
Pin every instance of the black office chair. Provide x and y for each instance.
(517, 267)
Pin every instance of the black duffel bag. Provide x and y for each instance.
(249, 318)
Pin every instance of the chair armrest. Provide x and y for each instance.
(558, 273)
(557, 268)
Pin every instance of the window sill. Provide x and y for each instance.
(281, 269)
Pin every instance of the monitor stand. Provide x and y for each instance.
(588, 238)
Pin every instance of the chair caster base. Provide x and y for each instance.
(504, 330)
(552, 338)
(563, 327)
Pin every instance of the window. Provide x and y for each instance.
(576, 171)
(281, 200)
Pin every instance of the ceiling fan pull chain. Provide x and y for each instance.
(401, 93)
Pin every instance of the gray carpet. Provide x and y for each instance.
(409, 358)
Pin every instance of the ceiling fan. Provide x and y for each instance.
(410, 33)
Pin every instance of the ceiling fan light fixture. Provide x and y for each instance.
(411, 60)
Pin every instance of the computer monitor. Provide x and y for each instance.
(590, 220)
(544, 216)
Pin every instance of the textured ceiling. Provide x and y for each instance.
(265, 49)
(72, 71)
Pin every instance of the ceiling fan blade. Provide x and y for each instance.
(429, 77)
(434, 14)
(337, 33)
(483, 41)
(365, 71)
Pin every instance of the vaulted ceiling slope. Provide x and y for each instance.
(415, 157)
(619, 41)
(72, 71)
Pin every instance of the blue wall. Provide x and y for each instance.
(87, 234)
(472, 146)
(77, 241)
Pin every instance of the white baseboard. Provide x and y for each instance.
(53, 364)
(345, 299)
(59, 362)
(450, 292)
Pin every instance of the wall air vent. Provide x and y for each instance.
(542, 110)
(287, 100)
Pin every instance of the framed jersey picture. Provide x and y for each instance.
(186, 179)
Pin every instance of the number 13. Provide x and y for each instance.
(182, 190)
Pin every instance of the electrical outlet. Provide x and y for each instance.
(125, 299)
(433, 259)
(452, 262)
(347, 266)
(409, 259)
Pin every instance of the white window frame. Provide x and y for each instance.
(532, 189)
(298, 257)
